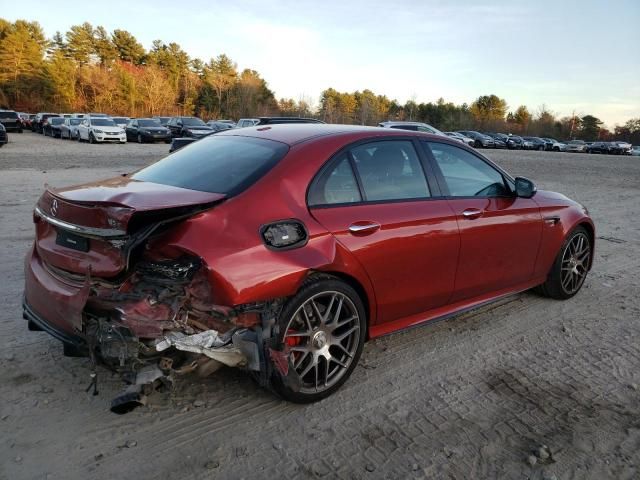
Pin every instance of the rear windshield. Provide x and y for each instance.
(226, 164)
(57, 120)
(75, 121)
(8, 115)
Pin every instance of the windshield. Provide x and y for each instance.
(102, 122)
(57, 120)
(149, 123)
(215, 164)
(120, 119)
(75, 121)
(8, 115)
(193, 122)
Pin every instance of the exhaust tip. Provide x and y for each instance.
(127, 401)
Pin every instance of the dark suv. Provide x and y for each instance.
(40, 120)
(11, 121)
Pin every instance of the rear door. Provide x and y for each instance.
(499, 232)
(376, 200)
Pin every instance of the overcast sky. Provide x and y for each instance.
(581, 56)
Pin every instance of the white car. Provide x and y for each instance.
(100, 129)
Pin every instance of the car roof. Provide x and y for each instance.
(295, 133)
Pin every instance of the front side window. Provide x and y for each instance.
(465, 174)
(390, 170)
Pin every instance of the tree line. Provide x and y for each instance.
(90, 69)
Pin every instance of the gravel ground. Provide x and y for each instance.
(526, 388)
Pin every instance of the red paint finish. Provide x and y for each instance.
(498, 247)
(411, 260)
(426, 260)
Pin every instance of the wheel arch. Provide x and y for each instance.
(591, 232)
(354, 283)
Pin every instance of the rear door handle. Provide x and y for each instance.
(472, 213)
(363, 227)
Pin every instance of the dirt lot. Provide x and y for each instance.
(473, 397)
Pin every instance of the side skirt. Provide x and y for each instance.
(443, 313)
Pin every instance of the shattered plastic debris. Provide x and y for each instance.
(209, 343)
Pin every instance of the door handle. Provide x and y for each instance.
(472, 213)
(364, 227)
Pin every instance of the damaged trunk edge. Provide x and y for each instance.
(158, 320)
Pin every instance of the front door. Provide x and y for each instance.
(499, 232)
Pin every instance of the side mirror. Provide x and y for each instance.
(525, 188)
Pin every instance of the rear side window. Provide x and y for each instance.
(216, 164)
(335, 185)
(390, 170)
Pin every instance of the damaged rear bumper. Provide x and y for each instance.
(74, 345)
(152, 327)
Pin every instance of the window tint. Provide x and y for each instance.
(390, 171)
(467, 175)
(149, 123)
(216, 164)
(102, 122)
(336, 184)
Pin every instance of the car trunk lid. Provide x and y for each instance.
(92, 229)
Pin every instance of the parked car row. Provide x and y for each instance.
(4, 138)
(100, 127)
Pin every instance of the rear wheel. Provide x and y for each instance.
(570, 267)
(323, 330)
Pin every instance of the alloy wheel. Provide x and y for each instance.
(323, 336)
(575, 263)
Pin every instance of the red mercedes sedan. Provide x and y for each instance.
(281, 249)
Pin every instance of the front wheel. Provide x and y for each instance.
(570, 268)
(92, 139)
(322, 331)
(139, 138)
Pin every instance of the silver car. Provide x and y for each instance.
(413, 126)
(461, 138)
(69, 129)
(578, 146)
(247, 122)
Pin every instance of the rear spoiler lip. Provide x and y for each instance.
(81, 230)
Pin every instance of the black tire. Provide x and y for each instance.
(555, 287)
(140, 139)
(478, 144)
(92, 139)
(318, 287)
